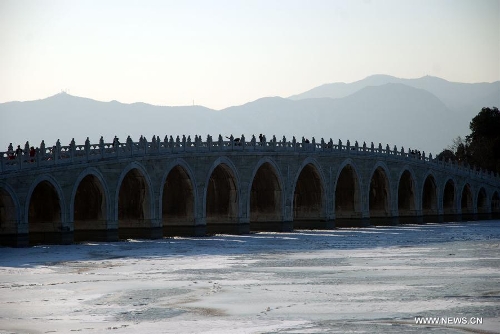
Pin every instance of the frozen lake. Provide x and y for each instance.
(362, 280)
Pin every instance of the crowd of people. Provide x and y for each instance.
(416, 153)
(11, 154)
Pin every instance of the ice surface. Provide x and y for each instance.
(362, 280)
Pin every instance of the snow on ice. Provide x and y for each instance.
(361, 280)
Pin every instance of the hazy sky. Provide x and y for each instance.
(223, 53)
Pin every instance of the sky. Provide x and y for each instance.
(224, 53)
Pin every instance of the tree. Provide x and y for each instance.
(484, 141)
(482, 147)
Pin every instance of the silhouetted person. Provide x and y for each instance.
(32, 154)
(236, 141)
(261, 138)
(10, 152)
(306, 141)
(19, 150)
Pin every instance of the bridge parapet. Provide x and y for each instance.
(57, 155)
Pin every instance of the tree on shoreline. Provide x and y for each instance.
(481, 148)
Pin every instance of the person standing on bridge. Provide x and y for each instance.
(19, 151)
(116, 142)
(10, 152)
(32, 154)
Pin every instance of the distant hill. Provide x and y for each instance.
(424, 114)
(391, 113)
(454, 94)
(64, 117)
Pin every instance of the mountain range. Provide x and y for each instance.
(425, 114)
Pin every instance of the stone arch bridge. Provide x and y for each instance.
(151, 189)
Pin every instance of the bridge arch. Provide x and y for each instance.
(178, 199)
(347, 194)
(265, 204)
(450, 197)
(221, 202)
(309, 194)
(133, 201)
(89, 206)
(429, 195)
(379, 191)
(406, 192)
(44, 211)
(466, 199)
(482, 201)
(10, 213)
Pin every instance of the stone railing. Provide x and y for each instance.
(61, 155)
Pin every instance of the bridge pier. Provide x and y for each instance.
(306, 224)
(15, 240)
(271, 226)
(410, 220)
(140, 229)
(468, 217)
(384, 221)
(51, 238)
(433, 219)
(96, 230)
(184, 230)
(224, 228)
(96, 235)
(352, 222)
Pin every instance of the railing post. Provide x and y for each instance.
(242, 141)
(58, 150)
(27, 151)
(72, 150)
(221, 142)
(19, 159)
(130, 145)
(165, 141)
(42, 149)
(87, 148)
(37, 154)
(101, 147)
